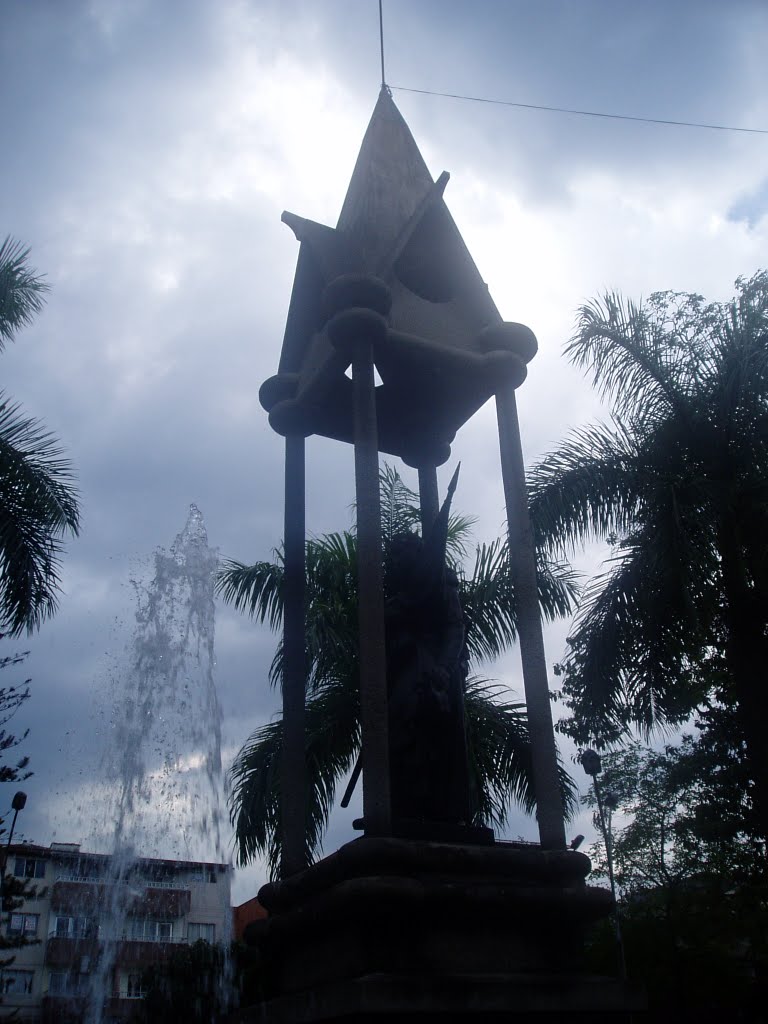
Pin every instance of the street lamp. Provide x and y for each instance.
(592, 765)
(18, 804)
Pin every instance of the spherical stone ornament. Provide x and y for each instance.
(289, 419)
(356, 290)
(426, 454)
(504, 370)
(351, 327)
(276, 389)
(508, 337)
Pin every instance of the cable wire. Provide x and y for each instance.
(568, 110)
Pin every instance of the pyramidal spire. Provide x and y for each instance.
(389, 182)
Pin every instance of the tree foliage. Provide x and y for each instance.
(38, 498)
(690, 866)
(11, 699)
(21, 290)
(497, 731)
(15, 891)
(677, 483)
(190, 987)
(683, 812)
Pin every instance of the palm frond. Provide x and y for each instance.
(254, 589)
(399, 505)
(331, 622)
(631, 357)
(559, 587)
(588, 488)
(38, 507)
(500, 759)
(21, 290)
(642, 625)
(486, 598)
(489, 604)
(459, 535)
(333, 740)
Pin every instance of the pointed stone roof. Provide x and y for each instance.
(389, 183)
(435, 364)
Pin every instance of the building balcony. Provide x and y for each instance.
(84, 897)
(140, 953)
(84, 953)
(64, 1009)
(119, 1009)
(71, 1009)
(77, 898)
(61, 952)
(168, 903)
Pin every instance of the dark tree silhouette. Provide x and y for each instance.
(38, 500)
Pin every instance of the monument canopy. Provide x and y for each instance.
(441, 358)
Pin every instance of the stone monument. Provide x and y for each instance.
(425, 914)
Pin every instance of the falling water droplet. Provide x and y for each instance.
(165, 759)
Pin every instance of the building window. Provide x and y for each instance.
(57, 983)
(65, 983)
(197, 931)
(147, 930)
(29, 867)
(73, 927)
(203, 875)
(17, 982)
(24, 924)
(136, 988)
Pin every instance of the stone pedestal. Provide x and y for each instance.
(401, 929)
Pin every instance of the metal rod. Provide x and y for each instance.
(349, 791)
(293, 797)
(373, 675)
(429, 499)
(381, 42)
(608, 837)
(522, 561)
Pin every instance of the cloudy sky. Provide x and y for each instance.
(150, 149)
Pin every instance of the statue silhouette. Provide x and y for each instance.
(427, 665)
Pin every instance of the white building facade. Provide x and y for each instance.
(84, 910)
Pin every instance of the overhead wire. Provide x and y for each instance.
(580, 113)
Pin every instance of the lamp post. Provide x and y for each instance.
(592, 765)
(18, 804)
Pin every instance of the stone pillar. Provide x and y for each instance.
(429, 499)
(522, 560)
(293, 797)
(510, 347)
(360, 304)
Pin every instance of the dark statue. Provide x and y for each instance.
(427, 665)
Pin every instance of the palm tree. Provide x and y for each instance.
(677, 484)
(38, 500)
(497, 732)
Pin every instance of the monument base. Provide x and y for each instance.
(523, 999)
(402, 929)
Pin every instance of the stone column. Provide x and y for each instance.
(429, 499)
(549, 804)
(360, 303)
(293, 796)
(511, 347)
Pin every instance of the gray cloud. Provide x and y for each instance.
(149, 157)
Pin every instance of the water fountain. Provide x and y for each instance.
(164, 762)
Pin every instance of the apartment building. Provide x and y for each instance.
(84, 905)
